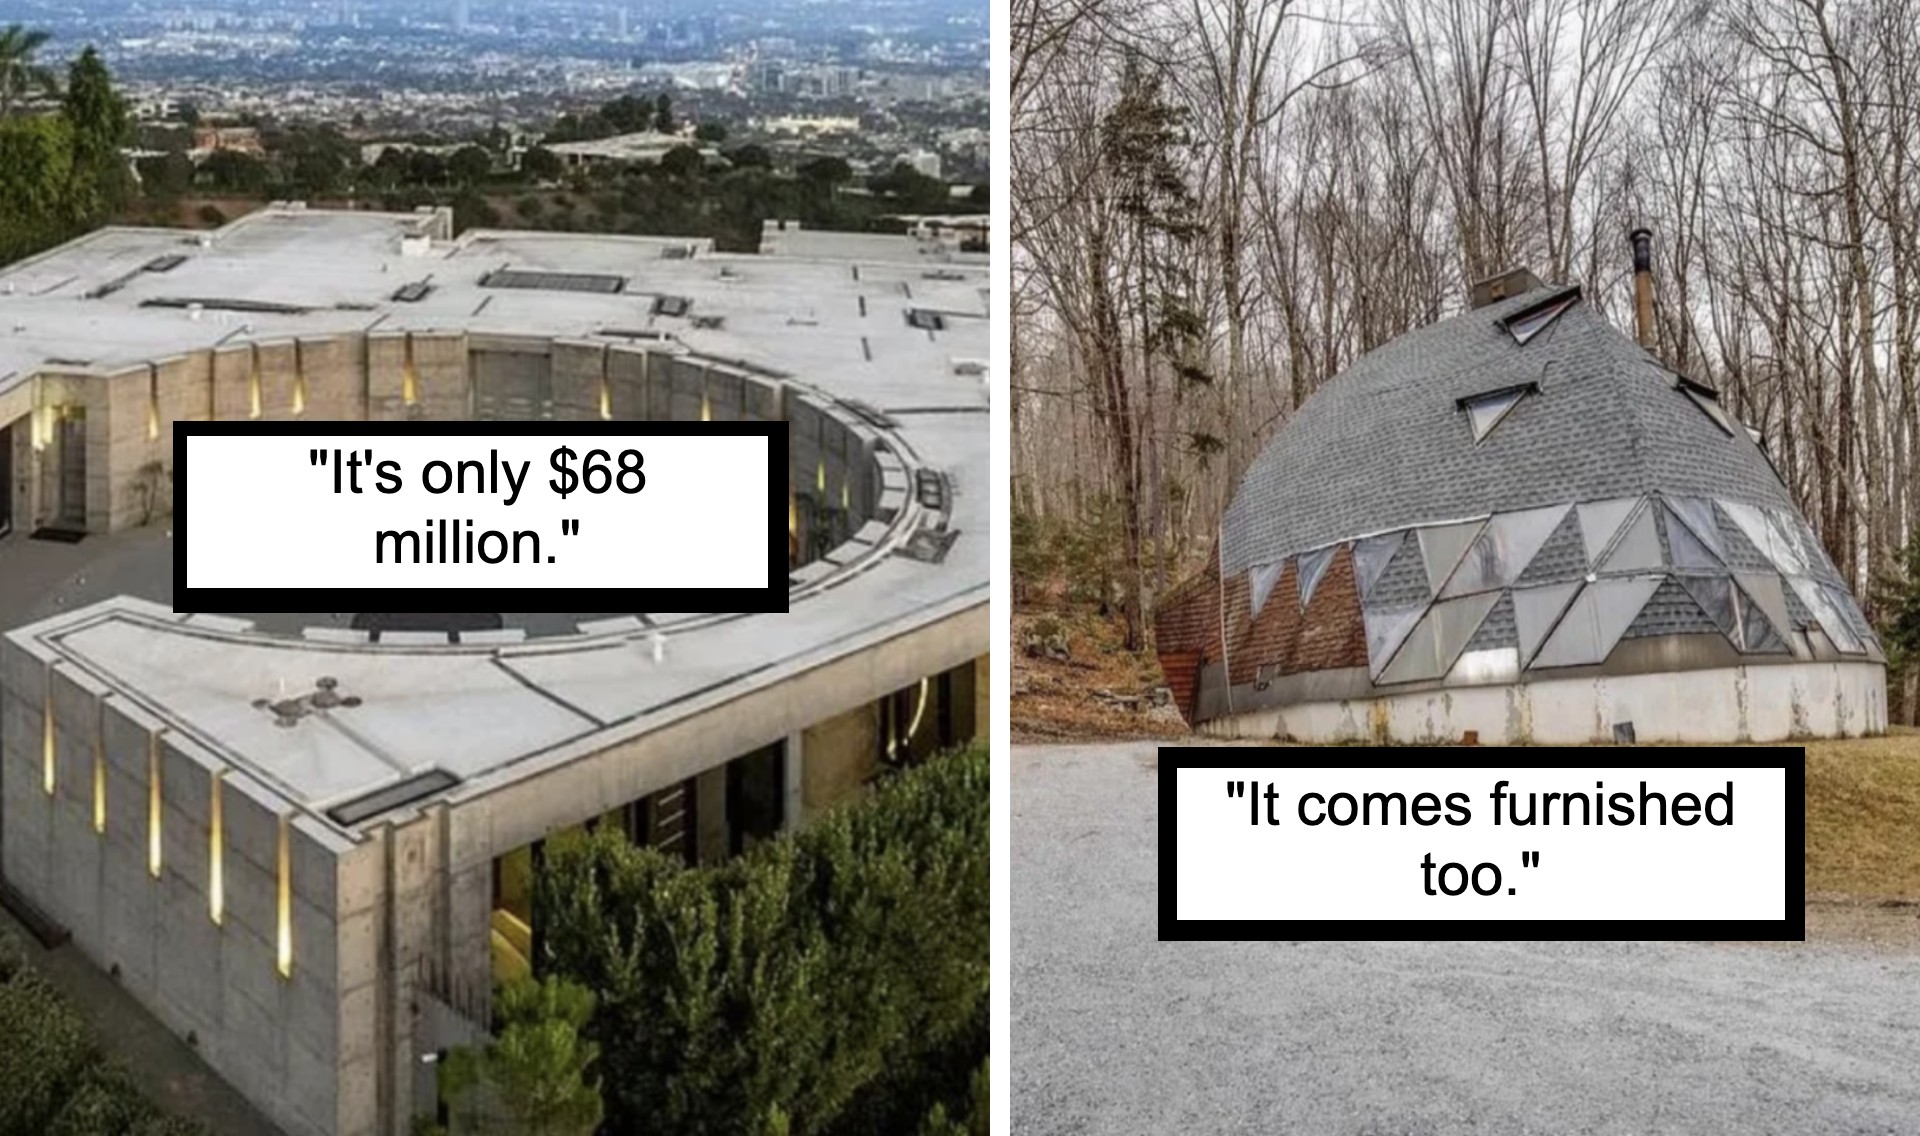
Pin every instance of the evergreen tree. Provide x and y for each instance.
(98, 116)
(19, 74)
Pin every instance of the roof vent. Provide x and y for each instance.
(671, 305)
(1503, 286)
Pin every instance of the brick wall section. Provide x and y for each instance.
(1188, 617)
(1270, 638)
(1332, 634)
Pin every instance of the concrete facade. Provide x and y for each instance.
(1741, 704)
(306, 888)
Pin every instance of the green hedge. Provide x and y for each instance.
(830, 983)
(53, 1078)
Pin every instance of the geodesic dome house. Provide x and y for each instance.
(1516, 523)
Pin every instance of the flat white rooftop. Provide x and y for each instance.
(493, 711)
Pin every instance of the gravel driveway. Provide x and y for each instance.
(1116, 1033)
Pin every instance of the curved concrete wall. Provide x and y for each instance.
(841, 469)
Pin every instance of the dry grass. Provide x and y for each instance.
(1863, 817)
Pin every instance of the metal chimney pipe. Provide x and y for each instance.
(1643, 286)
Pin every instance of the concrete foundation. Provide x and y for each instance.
(1767, 703)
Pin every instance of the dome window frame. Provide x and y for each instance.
(1526, 324)
(1486, 410)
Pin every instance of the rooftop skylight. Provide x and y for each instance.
(1489, 409)
(1530, 323)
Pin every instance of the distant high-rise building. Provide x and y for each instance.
(462, 15)
(620, 23)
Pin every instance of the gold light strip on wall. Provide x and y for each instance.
(606, 395)
(409, 376)
(706, 407)
(153, 403)
(216, 856)
(153, 805)
(47, 757)
(253, 384)
(918, 711)
(100, 769)
(284, 945)
(820, 478)
(299, 379)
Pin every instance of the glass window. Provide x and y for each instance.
(1503, 550)
(1637, 549)
(1371, 557)
(1535, 611)
(1433, 645)
(1715, 595)
(1600, 520)
(1595, 622)
(1386, 630)
(1831, 621)
(1486, 411)
(1313, 565)
(1262, 578)
(1442, 546)
(1529, 324)
(1696, 514)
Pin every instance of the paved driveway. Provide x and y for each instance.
(1116, 1033)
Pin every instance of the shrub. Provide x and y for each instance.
(789, 988)
(47, 1054)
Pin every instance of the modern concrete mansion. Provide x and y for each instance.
(308, 841)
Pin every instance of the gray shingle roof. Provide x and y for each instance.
(1385, 445)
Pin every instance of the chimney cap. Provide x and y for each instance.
(1502, 286)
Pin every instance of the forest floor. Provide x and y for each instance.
(1057, 700)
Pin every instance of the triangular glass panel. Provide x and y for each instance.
(1697, 514)
(1849, 610)
(1753, 525)
(1688, 551)
(1765, 590)
(1789, 552)
(1710, 407)
(1599, 520)
(1717, 598)
(1313, 565)
(1637, 549)
(1595, 621)
(1529, 325)
(1386, 629)
(1433, 645)
(1441, 547)
(1371, 557)
(1829, 617)
(1562, 560)
(1497, 629)
(1485, 411)
(1261, 579)
(1498, 556)
(1761, 636)
(1535, 611)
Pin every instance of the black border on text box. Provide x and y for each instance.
(1791, 759)
(772, 598)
